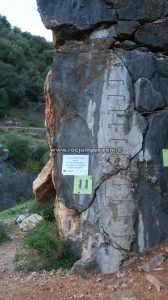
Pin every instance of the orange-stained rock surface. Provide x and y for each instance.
(68, 225)
(43, 187)
(66, 215)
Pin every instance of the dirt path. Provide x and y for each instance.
(128, 284)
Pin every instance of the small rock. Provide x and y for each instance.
(114, 283)
(81, 296)
(131, 280)
(42, 284)
(123, 295)
(52, 273)
(120, 275)
(9, 123)
(156, 282)
(30, 222)
(117, 44)
(20, 218)
(152, 179)
(5, 154)
(14, 237)
(157, 260)
(104, 33)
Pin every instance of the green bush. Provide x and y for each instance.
(46, 210)
(14, 211)
(26, 155)
(19, 150)
(46, 157)
(24, 63)
(43, 249)
(4, 229)
(39, 152)
(33, 166)
(37, 158)
(4, 101)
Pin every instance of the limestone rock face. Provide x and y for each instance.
(146, 97)
(154, 35)
(106, 98)
(84, 13)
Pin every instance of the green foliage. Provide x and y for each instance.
(43, 249)
(4, 229)
(19, 151)
(46, 209)
(33, 166)
(4, 22)
(24, 63)
(39, 151)
(26, 155)
(24, 116)
(36, 158)
(14, 211)
(4, 101)
(44, 240)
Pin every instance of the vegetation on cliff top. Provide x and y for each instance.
(24, 62)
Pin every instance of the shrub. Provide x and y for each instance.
(43, 249)
(37, 158)
(3, 102)
(39, 151)
(33, 166)
(46, 210)
(4, 229)
(16, 210)
(19, 150)
(26, 155)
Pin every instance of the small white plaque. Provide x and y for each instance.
(75, 165)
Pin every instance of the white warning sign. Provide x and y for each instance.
(75, 165)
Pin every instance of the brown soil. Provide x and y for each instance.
(131, 279)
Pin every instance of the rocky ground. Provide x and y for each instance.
(130, 283)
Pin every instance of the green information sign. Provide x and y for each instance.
(165, 157)
(82, 185)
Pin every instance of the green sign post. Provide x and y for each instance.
(82, 185)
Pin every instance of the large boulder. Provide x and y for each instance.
(106, 121)
(154, 35)
(4, 153)
(146, 97)
(86, 13)
(30, 222)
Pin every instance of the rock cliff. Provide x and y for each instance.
(107, 98)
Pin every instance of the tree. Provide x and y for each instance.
(24, 63)
(4, 101)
